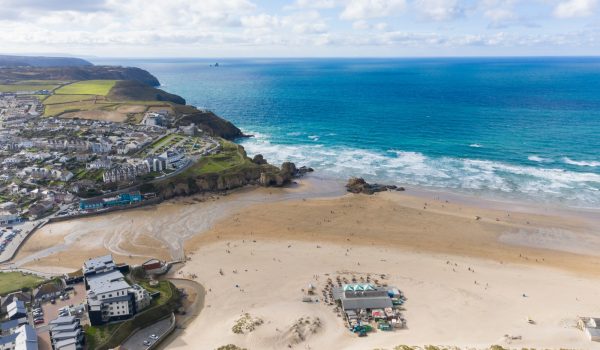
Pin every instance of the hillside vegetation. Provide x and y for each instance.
(77, 73)
(14, 281)
(128, 90)
(29, 86)
(87, 87)
(39, 61)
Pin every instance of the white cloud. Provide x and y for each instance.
(313, 4)
(365, 25)
(260, 21)
(575, 8)
(176, 26)
(356, 10)
(439, 10)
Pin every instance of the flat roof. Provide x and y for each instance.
(63, 320)
(101, 262)
(107, 282)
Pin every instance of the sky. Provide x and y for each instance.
(300, 28)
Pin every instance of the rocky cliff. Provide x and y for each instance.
(258, 173)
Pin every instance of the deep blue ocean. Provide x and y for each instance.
(510, 128)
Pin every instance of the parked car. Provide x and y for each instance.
(153, 337)
(147, 343)
(38, 321)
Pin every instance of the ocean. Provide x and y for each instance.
(500, 128)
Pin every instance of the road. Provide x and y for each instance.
(136, 341)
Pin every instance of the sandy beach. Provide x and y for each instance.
(473, 274)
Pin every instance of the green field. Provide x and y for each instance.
(26, 87)
(14, 281)
(60, 108)
(54, 99)
(87, 87)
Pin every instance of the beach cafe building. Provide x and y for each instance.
(363, 296)
(120, 200)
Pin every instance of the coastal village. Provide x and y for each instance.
(65, 167)
(56, 169)
(62, 168)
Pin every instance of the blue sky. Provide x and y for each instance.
(300, 28)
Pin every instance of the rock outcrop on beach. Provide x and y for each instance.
(359, 185)
(284, 176)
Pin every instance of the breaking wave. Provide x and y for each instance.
(497, 179)
(591, 163)
(539, 159)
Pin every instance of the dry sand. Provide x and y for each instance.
(444, 307)
(425, 245)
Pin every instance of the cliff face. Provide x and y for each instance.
(257, 172)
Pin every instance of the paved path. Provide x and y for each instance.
(136, 341)
(26, 228)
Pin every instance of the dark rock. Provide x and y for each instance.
(303, 170)
(359, 185)
(259, 159)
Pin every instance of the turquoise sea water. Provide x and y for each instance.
(512, 128)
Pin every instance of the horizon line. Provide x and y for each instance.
(294, 57)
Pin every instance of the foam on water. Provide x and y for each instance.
(570, 161)
(477, 176)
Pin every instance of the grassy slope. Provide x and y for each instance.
(106, 95)
(27, 87)
(229, 159)
(14, 281)
(54, 99)
(88, 87)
